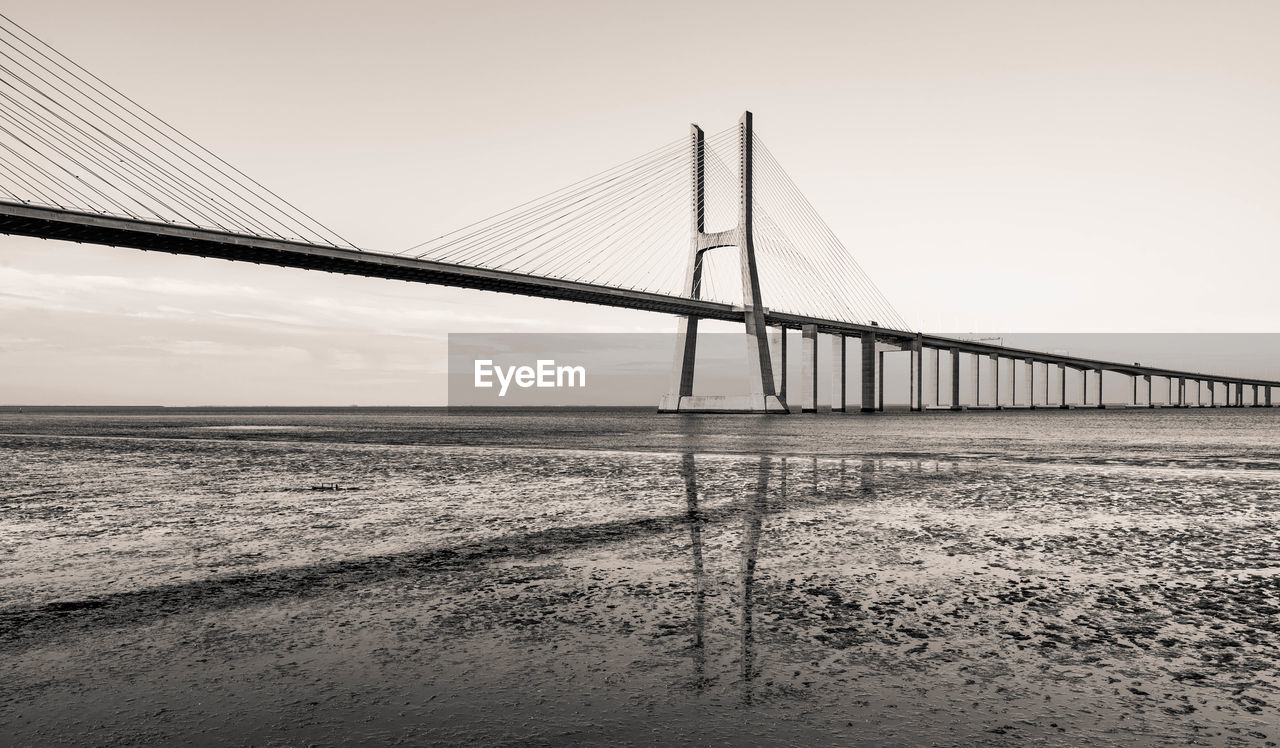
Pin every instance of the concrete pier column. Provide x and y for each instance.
(809, 369)
(1182, 391)
(880, 381)
(1044, 365)
(1013, 381)
(1031, 383)
(917, 375)
(935, 365)
(1100, 403)
(839, 373)
(1150, 403)
(868, 404)
(995, 381)
(778, 356)
(1239, 394)
(975, 361)
(937, 376)
(955, 378)
(1256, 403)
(1062, 402)
(1268, 396)
(1134, 378)
(1213, 394)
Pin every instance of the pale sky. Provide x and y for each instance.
(1013, 166)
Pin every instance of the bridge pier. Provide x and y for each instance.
(782, 367)
(1269, 396)
(995, 380)
(839, 372)
(955, 379)
(976, 366)
(1044, 366)
(880, 381)
(809, 369)
(1150, 402)
(1062, 403)
(868, 403)
(1101, 404)
(1013, 382)
(917, 375)
(937, 377)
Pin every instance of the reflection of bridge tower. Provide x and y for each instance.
(763, 396)
(753, 509)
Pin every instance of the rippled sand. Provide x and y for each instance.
(1009, 578)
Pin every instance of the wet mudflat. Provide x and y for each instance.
(342, 577)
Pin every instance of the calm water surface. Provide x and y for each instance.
(414, 577)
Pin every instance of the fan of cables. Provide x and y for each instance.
(69, 140)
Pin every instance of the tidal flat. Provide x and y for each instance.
(420, 577)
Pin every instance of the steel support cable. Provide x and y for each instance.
(193, 187)
(558, 213)
(662, 236)
(464, 247)
(107, 144)
(562, 255)
(23, 175)
(298, 216)
(83, 199)
(676, 149)
(602, 231)
(40, 129)
(656, 266)
(786, 271)
(820, 226)
(619, 194)
(622, 209)
(828, 262)
(65, 191)
(646, 244)
(530, 237)
(661, 248)
(819, 274)
(538, 204)
(142, 168)
(660, 240)
(47, 136)
(832, 266)
(656, 154)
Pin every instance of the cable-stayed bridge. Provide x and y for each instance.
(709, 226)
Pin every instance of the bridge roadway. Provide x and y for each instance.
(92, 228)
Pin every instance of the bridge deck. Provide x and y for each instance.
(92, 228)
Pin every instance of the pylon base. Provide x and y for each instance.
(722, 404)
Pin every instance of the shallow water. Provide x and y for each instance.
(354, 576)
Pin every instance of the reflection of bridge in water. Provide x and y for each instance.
(81, 162)
(754, 506)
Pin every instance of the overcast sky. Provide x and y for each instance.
(1013, 166)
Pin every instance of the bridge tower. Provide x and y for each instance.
(763, 397)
